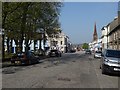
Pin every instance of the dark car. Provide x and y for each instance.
(72, 51)
(88, 51)
(55, 52)
(110, 61)
(25, 58)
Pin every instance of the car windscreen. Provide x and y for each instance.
(87, 50)
(113, 53)
(98, 52)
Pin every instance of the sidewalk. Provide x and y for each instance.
(8, 63)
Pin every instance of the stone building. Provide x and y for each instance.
(111, 33)
(114, 34)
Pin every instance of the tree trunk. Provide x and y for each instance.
(40, 48)
(16, 43)
(3, 27)
(44, 41)
(11, 42)
(3, 48)
(21, 45)
(8, 49)
(23, 25)
(27, 45)
(34, 44)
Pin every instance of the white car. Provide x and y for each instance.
(97, 54)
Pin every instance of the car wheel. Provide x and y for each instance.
(38, 60)
(100, 66)
(12, 62)
(59, 55)
(29, 62)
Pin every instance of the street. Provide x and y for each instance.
(72, 70)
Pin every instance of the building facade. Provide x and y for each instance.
(105, 38)
(114, 35)
(95, 45)
(111, 35)
(59, 41)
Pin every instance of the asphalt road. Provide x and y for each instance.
(72, 70)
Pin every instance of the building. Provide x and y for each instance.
(114, 35)
(60, 41)
(95, 36)
(96, 43)
(111, 33)
(105, 37)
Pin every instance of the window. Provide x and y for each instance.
(113, 53)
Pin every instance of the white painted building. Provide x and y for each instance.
(59, 41)
(104, 37)
(56, 41)
(47, 44)
(95, 45)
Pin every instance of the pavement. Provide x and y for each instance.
(8, 63)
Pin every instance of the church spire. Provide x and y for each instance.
(95, 36)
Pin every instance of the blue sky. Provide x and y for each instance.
(78, 18)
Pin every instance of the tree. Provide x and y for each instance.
(21, 20)
(85, 46)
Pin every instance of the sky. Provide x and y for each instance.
(78, 18)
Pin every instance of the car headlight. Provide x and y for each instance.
(106, 60)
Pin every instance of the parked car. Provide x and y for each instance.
(97, 54)
(88, 51)
(72, 51)
(55, 52)
(110, 61)
(25, 58)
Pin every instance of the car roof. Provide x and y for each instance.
(111, 49)
(54, 50)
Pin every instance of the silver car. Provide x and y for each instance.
(97, 54)
(110, 61)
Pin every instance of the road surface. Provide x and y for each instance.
(72, 70)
